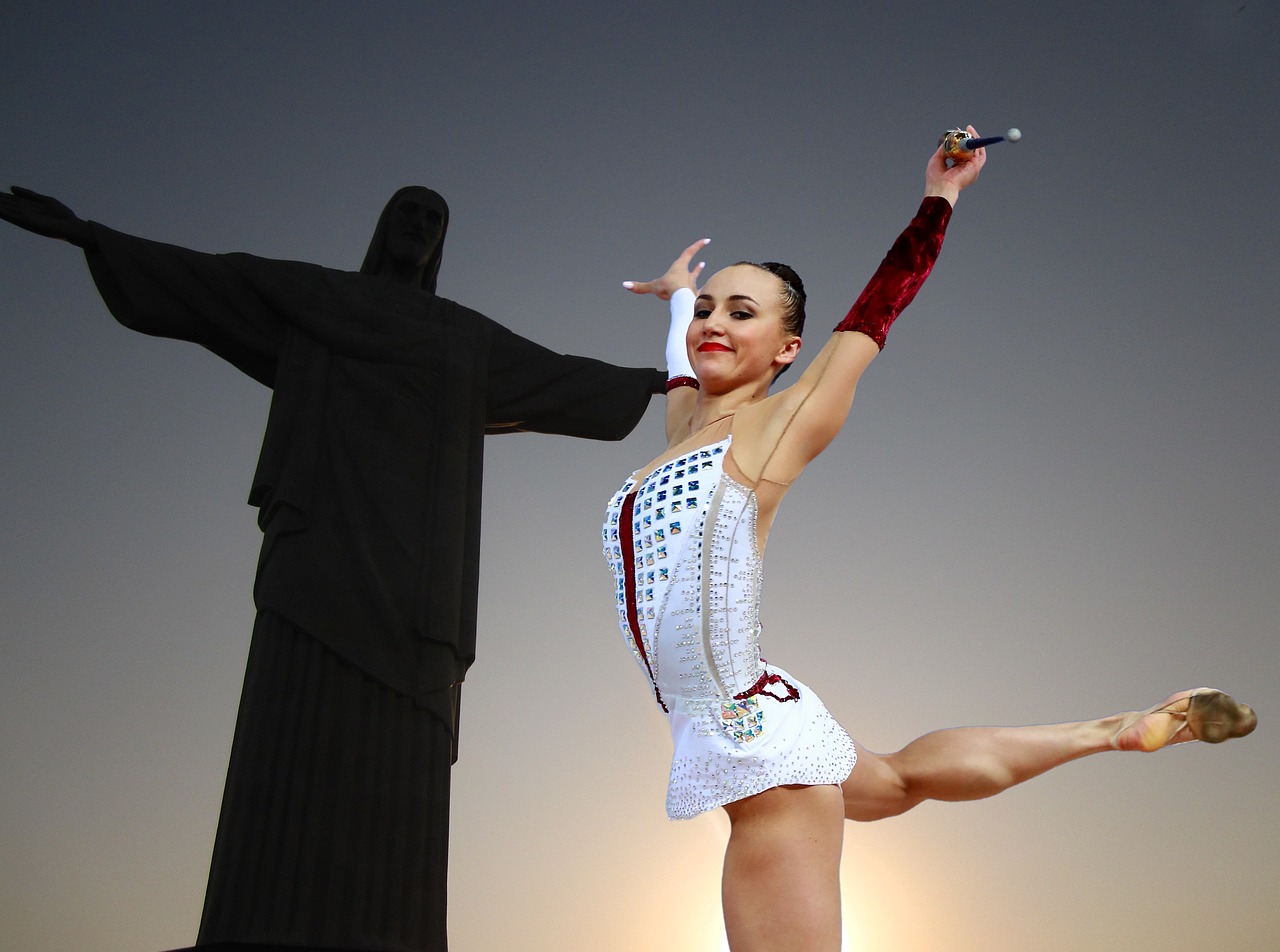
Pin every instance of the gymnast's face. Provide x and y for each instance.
(415, 226)
(737, 335)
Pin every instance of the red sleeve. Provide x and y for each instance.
(901, 273)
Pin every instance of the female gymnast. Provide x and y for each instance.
(684, 537)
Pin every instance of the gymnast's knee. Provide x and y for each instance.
(876, 789)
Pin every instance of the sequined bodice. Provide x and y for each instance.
(681, 542)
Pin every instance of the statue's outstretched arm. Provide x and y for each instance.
(44, 215)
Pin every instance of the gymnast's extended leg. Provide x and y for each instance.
(969, 763)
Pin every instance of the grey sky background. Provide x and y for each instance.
(1056, 497)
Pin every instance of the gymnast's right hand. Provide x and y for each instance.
(678, 276)
(44, 215)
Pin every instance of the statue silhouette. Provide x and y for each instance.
(334, 825)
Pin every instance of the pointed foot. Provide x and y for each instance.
(1204, 714)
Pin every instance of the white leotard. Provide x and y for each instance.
(681, 541)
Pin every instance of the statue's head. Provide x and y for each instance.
(410, 235)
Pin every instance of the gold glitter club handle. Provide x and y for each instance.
(959, 146)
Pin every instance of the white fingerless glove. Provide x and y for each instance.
(679, 370)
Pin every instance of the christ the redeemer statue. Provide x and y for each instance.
(334, 825)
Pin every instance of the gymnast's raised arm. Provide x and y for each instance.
(678, 286)
(794, 425)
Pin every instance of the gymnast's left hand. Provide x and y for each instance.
(948, 181)
(678, 276)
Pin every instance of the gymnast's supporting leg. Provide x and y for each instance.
(781, 885)
(970, 763)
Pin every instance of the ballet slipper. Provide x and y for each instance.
(1204, 714)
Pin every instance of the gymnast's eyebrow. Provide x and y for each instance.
(731, 297)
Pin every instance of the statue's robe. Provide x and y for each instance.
(334, 824)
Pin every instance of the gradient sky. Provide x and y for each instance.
(1057, 496)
